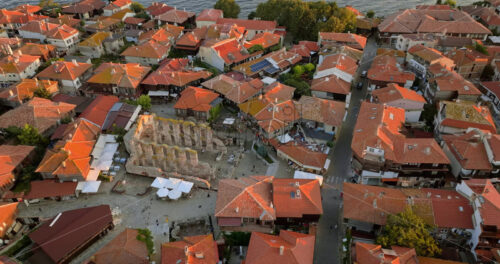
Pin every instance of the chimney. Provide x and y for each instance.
(282, 250)
(199, 255)
(186, 250)
(74, 62)
(63, 164)
(237, 209)
(11, 93)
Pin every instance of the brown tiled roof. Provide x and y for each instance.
(466, 114)
(236, 91)
(157, 8)
(372, 254)
(378, 126)
(193, 38)
(385, 68)
(34, 49)
(468, 150)
(349, 39)
(493, 87)
(64, 70)
(169, 74)
(271, 115)
(394, 92)
(8, 213)
(249, 24)
(104, 23)
(196, 99)
(246, 197)
(209, 15)
(40, 27)
(320, 110)
(464, 56)
(124, 248)
(301, 154)
(84, 6)
(127, 75)
(133, 20)
(298, 248)
(447, 80)
(490, 209)
(331, 84)
(59, 238)
(175, 16)
(96, 39)
(97, 111)
(26, 88)
(10, 158)
(150, 49)
(50, 188)
(342, 62)
(190, 250)
(39, 113)
(68, 20)
(306, 197)
(17, 63)
(278, 92)
(431, 55)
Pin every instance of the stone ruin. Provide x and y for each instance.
(161, 147)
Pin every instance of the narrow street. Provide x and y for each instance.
(329, 239)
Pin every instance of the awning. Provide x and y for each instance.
(389, 180)
(327, 164)
(88, 186)
(158, 93)
(162, 192)
(228, 121)
(93, 175)
(285, 138)
(306, 175)
(174, 194)
(159, 182)
(186, 186)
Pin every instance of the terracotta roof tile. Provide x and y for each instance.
(246, 197)
(271, 115)
(175, 72)
(371, 254)
(124, 248)
(324, 111)
(27, 8)
(65, 70)
(161, 35)
(40, 27)
(68, 20)
(236, 91)
(133, 20)
(202, 246)
(331, 84)
(448, 80)
(175, 16)
(209, 15)
(306, 197)
(265, 249)
(340, 61)
(97, 111)
(386, 69)
(468, 150)
(25, 89)
(278, 92)
(196, 99)
(10, 158)
(150, 49)
(157, 8)
(127, 75)
(465, 115)
(193, 38)
(305, 157)
(451, 210)
(465, 56)
(62, 32)
(17, 63)
(49, 189)
(493, 87)
(8, 213)
(33, 49)
(230, 51)
(394, 92)
(84, 6)
(349, 39)
(490, 209)
(264, 39)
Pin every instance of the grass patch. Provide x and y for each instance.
(18, 246)
(146, 237)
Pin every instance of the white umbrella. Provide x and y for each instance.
(185, 186)
(174, 194)
(160, 182)
(163, 192)
(174, 183)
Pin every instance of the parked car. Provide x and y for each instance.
(359, 85)
(363, 74)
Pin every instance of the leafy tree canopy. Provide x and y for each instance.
(407, 229)
(230, 8)
(481, 48)
(42, 93)
(255, 48)
(309, 67)
(30, 136)
(370, 14)
(305, 19)
(136, 7)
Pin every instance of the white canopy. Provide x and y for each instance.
(306, 175)
(88, 186)
(158, 93)
(93, 175)
(162, 192)
(159, 183)
(228, 121)
(285, 138)
(185, 186)
(174, 194)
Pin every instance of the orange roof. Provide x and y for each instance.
(175, 16)
(342, 62)
(127, 75)
(36, 26)
(305, 48)
(34, 49)
(17, 63)
(490, 209)
(230, 51)
(39, 113)
(266, 249)
(246, 197)
(61, 32)
(175, 72)
(469, 150)
(124, 248)
(304, 156)
(465, 115)
(264, 39)
(324, 111)
(209, 15)
(231, 89)
(452, 81)
(378, 126)
(331, 84)
(349, 39)
(279, 92)
(354, 10)
(97, 111)
(196, 99)
(306, 197)
(431, 56)
(193, 38)
(27, 8)
(371, 254)
(160, 35)
(26, 88)
(386, 69)
(249, 24)
(190, 250)
(64, 70)
(150, 49)
(271, 115)
(117, 4)
(8, 213)
(10, 158)
(71, 155)
(394, 92)
(68, 20)
(465, 56)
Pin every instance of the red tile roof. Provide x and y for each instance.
(250, 24)
(84, 6)
(302, 155)
(26, 88)
(331, 84)
(342, 62)
(465, 115)
(65, 19)
(157, 8)
(305, 48)
(306, 197)
(10, 158)
(190, 250)
(192, 39)
(133, 20)
(40, 27)
(266, 249)
(448, 80)
(150, 49)
(62, 32)
(231, 51)
(72, 229)
(97, 111)
(17, 63)
(386, 69)
(196, 99)
(490, 209)
(39, 113)
(127, 75)
(264, 39)
(231, 89)
(271, 115)
(124, 248)
(65, 70)
(50, 188)
(8, 213)
(451, 210)
(27, 8)
(394, 92)
(375, 254)
(175, 16)
(246, 197)
(175, 72)
(42, 50)
(468, 150)
(210, 15)
(161, 35)
(349, 39)
(324, 111)
(279, 92)
(378, 126)
(465, 56)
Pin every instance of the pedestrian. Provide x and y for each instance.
(335, 226)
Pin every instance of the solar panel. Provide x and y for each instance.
(271, 70)
(259, 65)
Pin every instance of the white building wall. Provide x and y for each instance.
(31, 35)
(142, 60)
(208, 55)
(200, 24)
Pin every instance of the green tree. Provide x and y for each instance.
(487, 73)
(370, 14)
(451, 3)
(439, 2)
(301, 87)
(144, 101)
(255, 48)
(230, 8)
(252, 15)
(42, 93)
(142, 15)
(298, 70)
(309, 67)
(407, 229)
(30, 136)
(136, 7)
(481, 48)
